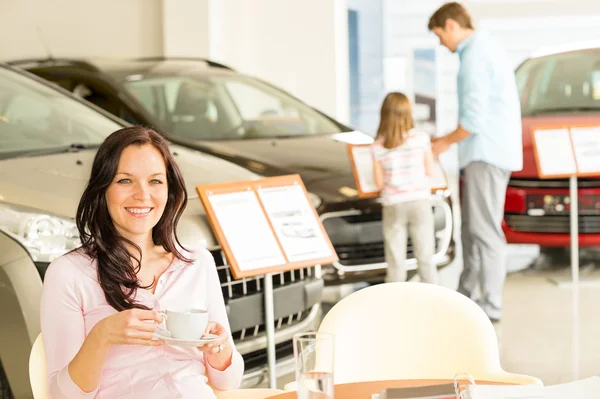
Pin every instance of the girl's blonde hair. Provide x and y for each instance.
(396, 120)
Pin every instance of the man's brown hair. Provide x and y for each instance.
(454, 11)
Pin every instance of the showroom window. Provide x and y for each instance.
(568, 81)
(228, 108)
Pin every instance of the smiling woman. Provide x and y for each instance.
(122, 182)
(101, 303)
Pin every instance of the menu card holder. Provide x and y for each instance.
(361, 160)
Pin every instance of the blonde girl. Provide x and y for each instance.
(403, 162)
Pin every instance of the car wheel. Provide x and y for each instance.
(5, 392)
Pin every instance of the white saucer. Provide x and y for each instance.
(189, 343)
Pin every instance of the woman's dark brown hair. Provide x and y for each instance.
(395, 120)
(117, 267)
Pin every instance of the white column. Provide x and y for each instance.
(186, 29)
(342, 67)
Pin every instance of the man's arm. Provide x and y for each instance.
(441, 144)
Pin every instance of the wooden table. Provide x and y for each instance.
(364, 390)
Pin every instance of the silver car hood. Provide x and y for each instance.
(53, 184)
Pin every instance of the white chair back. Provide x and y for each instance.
(413, 331)
(37, 370)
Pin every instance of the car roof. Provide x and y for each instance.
(125, 69)
(566, 48)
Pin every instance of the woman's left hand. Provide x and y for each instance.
(219, 352)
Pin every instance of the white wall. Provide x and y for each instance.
(186, 27)
(515, 33)
(523, 26)
(300, 46)
(111, 28)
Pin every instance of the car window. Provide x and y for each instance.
(229, 107)
(34, 116)
(560, 82)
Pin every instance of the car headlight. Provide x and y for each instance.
(315, 200)
(46, 237)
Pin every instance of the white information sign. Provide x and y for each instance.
(586, 144)
(438, 180)
(293, 220)
(363, 160)
(248, 233)
(554, 152)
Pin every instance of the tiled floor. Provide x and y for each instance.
(544, 331)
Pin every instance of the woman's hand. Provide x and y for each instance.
(219, 352)
(130, 327)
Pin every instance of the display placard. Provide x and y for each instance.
(553, 152)
(361, 159)
(586, 148)
(267, 225)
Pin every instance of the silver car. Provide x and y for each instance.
(47, 144)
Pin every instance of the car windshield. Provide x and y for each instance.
(566, 82)
(36, 117)
(230, 107)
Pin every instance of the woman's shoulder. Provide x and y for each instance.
(71, 266)
(197, 255)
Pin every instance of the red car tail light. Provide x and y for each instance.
(515, 201)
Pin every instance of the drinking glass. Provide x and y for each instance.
(313, 353)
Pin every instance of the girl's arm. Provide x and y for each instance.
(378, 174)
(429, 162)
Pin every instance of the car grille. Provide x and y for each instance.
(551, 224)
(258, 359)
(351, 255)
(354, 255)
(589, 219)
(555, 183)
(235, 289)
(356, 238)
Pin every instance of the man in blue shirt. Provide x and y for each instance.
(490, 148)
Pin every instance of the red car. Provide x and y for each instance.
(555, 87)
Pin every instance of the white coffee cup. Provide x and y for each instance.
(185, 323)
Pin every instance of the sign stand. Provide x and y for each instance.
(264, 227)
(574, 218)
(554, 160)
(270, 329)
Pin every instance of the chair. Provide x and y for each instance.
(39, 387)
(413, 331)
(37, 370)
